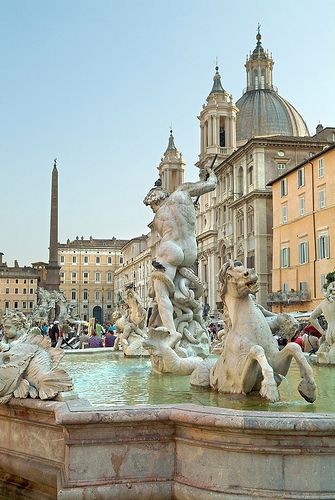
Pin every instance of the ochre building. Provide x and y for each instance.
(303, 232)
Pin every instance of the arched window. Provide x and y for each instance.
(263, 79)
(85, 294)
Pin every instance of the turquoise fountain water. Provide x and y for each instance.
(109, 379)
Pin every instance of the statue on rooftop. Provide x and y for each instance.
(175, 288)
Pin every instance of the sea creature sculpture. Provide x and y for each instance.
(130, 324)
(28, 364)
(250, 360)
(165, 359)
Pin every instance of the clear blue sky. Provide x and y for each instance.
(97, 84)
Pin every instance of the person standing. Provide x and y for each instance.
(54, 333)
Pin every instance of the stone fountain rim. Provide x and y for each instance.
(80, 411)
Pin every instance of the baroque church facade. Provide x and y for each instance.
(255, 140)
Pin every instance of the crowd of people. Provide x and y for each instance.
(89, 335)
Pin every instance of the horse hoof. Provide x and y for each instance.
(307, 389)
(270, 391)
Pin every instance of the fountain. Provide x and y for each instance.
(176, 442)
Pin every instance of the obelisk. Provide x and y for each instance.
(53, 277)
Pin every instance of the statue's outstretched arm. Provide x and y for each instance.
(202, 186)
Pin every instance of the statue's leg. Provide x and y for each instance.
(282, 363)
(164, 303)
(255, 359)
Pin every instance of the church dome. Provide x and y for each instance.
(262, 111)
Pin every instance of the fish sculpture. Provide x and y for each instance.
(29, 368)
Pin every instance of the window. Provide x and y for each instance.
(7, 290)
(303, 286)
(121, 260)
(24, 305)
(62, 277)
(16, 290)
(323, 246)
(97, 277)
(109, 260)
(320, 168)
(31, 282)
(86, 259)
(250, 220)
(85, 295)
(303, 252)
(283, 187)
(31, 305)
(251, 175)
(281, 166)
(97, 295)
(73, 277)
(62, 260)
(285, 287)
(85, 277)
(73, 295)
(31, 290)
(7, 305)
(239, 223)
(17, 282)
(284, 214)
(322, 198)
(24, 291)
(97, 260)
(109, 295)
(301, 206)
(74, 259)
(109, 277)
(301, 177)
(285, 257)
(16, 305)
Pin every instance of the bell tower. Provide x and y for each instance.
(171, 167)
(217, 123)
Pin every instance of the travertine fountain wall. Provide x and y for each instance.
(70, 450)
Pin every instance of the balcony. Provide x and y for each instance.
(292, 297)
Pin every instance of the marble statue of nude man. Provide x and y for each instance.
(327, 308)
(175, 222)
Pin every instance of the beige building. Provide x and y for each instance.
(303, 232)
(18, 287)
(135, 270)
(87, 275)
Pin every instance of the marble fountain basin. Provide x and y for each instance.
(134, 435)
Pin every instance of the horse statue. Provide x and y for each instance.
(250, 360)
